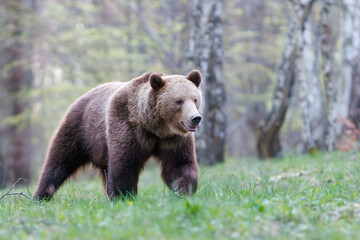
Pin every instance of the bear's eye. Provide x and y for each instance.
(179, 102)
(195, 101)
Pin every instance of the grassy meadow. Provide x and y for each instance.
(299, 197)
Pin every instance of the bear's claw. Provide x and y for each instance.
(177, 191)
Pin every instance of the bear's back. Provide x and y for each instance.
(89, 112)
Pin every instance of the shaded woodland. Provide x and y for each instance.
(279, 77)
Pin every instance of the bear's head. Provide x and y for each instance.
(177, 100)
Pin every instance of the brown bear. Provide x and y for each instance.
(118, 126)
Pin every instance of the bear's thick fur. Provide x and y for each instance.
(118, 126)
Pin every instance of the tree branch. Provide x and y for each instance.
(19, 194)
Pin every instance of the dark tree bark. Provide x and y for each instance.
(206, 54)
(16, 79)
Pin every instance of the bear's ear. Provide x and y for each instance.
(195, 77)
(156, 81)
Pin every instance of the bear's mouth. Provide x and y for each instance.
(189, 127)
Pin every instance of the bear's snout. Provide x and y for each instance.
(192, 123)
(195, 120)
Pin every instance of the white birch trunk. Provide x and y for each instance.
(354, 113)
(314, 94)
(310, 99)
(349, 42)
(332, 114)
(206, 54)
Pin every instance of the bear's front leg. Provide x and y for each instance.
(126, 161)
(179, 168)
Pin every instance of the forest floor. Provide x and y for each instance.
(302, 197)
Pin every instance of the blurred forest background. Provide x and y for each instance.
(268, 65)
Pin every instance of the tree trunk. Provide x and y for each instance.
(17, 78)
(315, 95)
(268, 141)
(332, 114)
(349, 41)
(206, 54)
(309, 87)
(2, 169)
(354, 109)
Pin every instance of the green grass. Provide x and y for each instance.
(294, 198)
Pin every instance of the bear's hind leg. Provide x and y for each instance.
(63, 160)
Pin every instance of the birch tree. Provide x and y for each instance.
(206, 54)
(349, 42)
(268, 143)
(354, 112)
(327, 62)
(309, 87)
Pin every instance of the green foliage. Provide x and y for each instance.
(73, 46)
(254, 36)
(293, 198)
(76, 45)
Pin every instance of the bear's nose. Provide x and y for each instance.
(196, 119)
